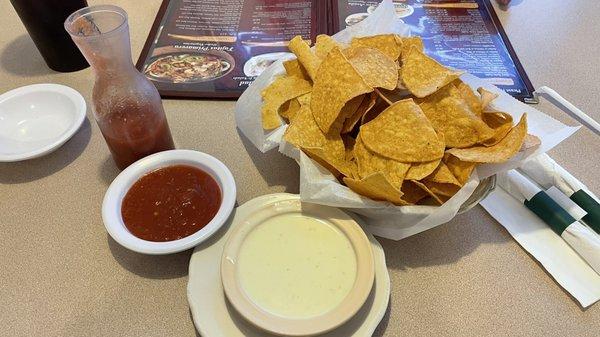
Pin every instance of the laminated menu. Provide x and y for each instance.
(216, 48)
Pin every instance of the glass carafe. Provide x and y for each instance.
(127, 106)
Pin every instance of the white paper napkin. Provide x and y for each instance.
(546, 172)
(553, 253)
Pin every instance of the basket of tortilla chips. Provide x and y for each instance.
(387, 120)
(382, 129)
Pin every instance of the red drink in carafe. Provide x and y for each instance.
(127, 106)
(133, 132)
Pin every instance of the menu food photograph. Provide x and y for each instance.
(299, 168)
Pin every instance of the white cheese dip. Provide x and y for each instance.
(295, 266)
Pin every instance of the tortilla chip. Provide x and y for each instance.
(501, 152)
(403, 133)
(501, 122)
(469, 96)
(336, 83)
(443, 175)
(376, 187)
(423, 75)
(367, 104)
(324, 45)
(353, 172)
(305, 56)
(303, 132)
(411, 193)
(409, 42)
(369, 163)
(378, 70)
(401, 85)
(328, 150)
(289, 109)
(442, 190)
(460, 169)
(496, 119)
(387, 44)
(395, 95)
(304, 99)
(422, 186)
(276, 94)
(450, 114)
(294, 68)
(419, 171)
(331, 161)
(486, 97)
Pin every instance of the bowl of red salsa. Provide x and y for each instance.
(169, 202)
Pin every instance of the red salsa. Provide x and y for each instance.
(171, 203)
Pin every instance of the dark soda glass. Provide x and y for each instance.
(44, 20)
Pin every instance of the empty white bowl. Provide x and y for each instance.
(37, 119)
(111, 206)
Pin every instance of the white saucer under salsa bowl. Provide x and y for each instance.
(113, 200)
(297, 269)
(37, 119)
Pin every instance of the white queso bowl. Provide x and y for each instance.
(37, 119)
(111, 206)
(274, 320)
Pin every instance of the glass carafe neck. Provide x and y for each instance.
(102, 35)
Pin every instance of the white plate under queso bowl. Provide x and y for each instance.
(37, 119)
(215, 316)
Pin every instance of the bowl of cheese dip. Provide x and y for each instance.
(297, 269)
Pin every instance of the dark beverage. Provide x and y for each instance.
(44, 20)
